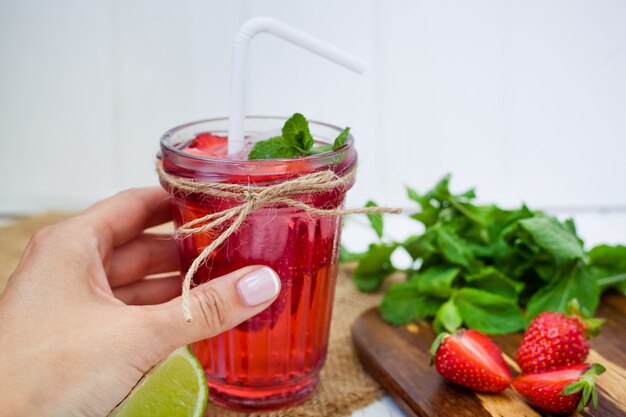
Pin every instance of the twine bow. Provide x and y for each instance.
(252, 198)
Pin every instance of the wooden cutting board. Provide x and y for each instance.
(398, 358)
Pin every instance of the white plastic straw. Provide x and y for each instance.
(277, 28)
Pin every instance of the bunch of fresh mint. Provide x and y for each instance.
(484, 267)
(296, 141)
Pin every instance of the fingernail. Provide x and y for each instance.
(258, 287)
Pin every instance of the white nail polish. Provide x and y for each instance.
(258, 286)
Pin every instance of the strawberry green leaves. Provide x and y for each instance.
(587, 385)
(485, 267)
(296, 141)
(560, 391)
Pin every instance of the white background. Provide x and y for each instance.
(525, 99)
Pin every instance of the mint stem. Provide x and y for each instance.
(467, 213)
(611, 280)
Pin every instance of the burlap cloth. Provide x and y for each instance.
(344, 385)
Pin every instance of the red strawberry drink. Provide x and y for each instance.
(274, 359)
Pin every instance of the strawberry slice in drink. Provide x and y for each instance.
(209, 145)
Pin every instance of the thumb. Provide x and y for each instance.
(216, 306)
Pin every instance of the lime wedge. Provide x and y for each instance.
(176, 387)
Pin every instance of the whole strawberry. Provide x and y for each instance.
(562, 390)
(471, 359)
(553, 340)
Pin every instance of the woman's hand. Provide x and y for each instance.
(80, 324)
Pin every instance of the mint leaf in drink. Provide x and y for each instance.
(273, 148)
(321, 149)
(341, 139)
(297, 135)
(338, 143)
(375, 219)
(296, 141)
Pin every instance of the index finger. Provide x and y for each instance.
(124, 216)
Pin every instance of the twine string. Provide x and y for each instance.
(252, 198)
